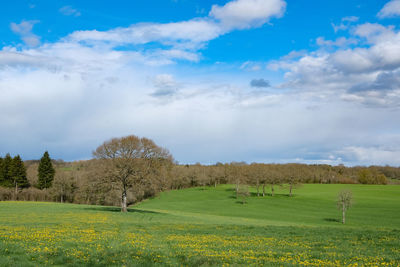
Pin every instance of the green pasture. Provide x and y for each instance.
(208, 226)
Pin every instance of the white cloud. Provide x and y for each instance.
(85, 95)
(362, 74)
(166, 85)
(340, 42)
(69, 11)
(251, 66)
(373, 155)
(190, 34)
(374, 32)
(390, 9)
(24, 30)
(242, 14)
(351, 19)
(344, 24)
(164, 80)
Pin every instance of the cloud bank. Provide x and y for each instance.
(365, 74)
(337, 104)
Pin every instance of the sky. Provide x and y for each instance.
(271, 81)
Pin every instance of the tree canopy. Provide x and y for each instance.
(129, 161)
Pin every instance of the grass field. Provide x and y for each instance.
(208, 226)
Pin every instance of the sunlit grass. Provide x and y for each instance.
(183, 231)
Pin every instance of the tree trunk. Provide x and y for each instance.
(123, 205)
(215, 183)
(343, 214)
(62, 198)
(272, 190)
(237, 188)
(290, 190)
(258, 189)
(16, 191)
(263, 190)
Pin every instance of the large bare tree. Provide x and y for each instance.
(130, 160)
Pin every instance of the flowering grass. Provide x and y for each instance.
(177, 228)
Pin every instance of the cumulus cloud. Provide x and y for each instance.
(385, 81)
(24, 30)
(242, 14)
(260, 83)
(69, 11)
(358, 73)
(390, 9)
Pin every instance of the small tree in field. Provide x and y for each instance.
(243, 193)
(344, 202)
(46, 172)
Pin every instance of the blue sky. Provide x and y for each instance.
(241, 80)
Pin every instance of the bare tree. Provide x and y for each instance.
(274, 176)
(129, 161)
(294, 172)
(344, 202)
(64, 186)
(256, 176)
(243, 193)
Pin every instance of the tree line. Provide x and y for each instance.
(129, 169)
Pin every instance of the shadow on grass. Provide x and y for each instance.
(331, 220)
(202, 188)
(230, 189)
(254, 194)
(116, 209)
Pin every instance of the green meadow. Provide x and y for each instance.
(207, 226)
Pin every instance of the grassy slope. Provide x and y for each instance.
(312, 204)
(207, 226)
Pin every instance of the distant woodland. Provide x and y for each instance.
(153, 170)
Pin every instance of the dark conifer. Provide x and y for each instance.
(1, 171)
(17, 173)
(46, 172)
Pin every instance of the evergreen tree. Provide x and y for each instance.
(46, 171)
(17, 173)
(1, 171)
(5, 171)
